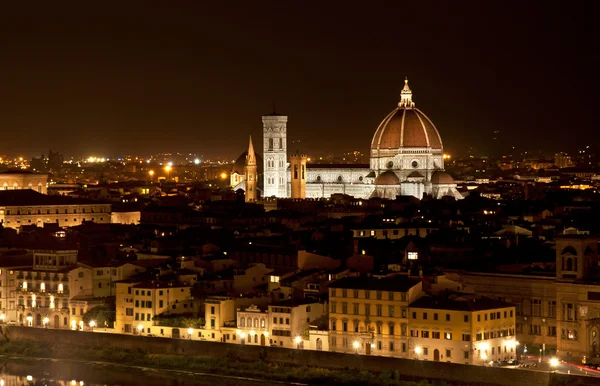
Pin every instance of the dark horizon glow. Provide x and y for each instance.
(195, 77)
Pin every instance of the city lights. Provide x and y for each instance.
(418, 350)
(356, 344)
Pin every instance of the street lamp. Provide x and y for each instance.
(190, 332)
(140, 328)
(554, 363)
(356, 346)
(29, 320)
(483, 358)
(418, 351)
(298, 340)
(151, 173)
(92, 324)
(46, 321)
(2, 317)
(168, 169)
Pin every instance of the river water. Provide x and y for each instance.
(38, 372)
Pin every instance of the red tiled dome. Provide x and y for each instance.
(406, 126)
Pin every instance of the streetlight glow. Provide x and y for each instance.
(140, 327)
(418, 350)
(92, 323)
(356, 344)
(190, 331)
(298, 340)
(554, 362)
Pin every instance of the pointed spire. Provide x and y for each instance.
(251, 157)
(406, 96)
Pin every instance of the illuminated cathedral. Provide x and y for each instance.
(406, 158)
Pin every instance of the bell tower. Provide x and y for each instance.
(275, 155)
(298, 170)
(250, 173)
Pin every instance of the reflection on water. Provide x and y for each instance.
(32, 372)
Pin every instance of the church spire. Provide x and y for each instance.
(406, 96)
(251, 157)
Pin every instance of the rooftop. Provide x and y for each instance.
(28, 197)
(459, 303)
(395, 283)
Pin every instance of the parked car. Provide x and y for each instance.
(12, 323)
(151, 335)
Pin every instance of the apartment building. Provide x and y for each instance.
(369, 315)
(461, 329)
(289, 321)
(42, 292)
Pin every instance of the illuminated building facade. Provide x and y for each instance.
(21, 179)
(369, 316)
(27, 207)
(42, 292)
(462, 330)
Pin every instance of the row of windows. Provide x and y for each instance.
(391, 329)
(495, 315)
(437, 335)
(379, 295)
(396, 232)
(287, 321)
(18, 187)
(57, 220)
(146, 304)
(56, 211)
(250, 322)
(391, 310)
(338, 179)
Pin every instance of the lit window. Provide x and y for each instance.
(43, 287)
(24, 286)
(60, 289)
(413, 255)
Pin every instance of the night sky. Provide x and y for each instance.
(189, 76)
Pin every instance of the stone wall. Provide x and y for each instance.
(406, 368)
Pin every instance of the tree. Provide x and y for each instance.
(103, 315)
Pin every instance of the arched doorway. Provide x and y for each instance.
(436, 355)
(262, 339)
(594, 341)
(319, 344)
(20, 318)
(56, 321)
(175, 333)
(38, 320)
(368, 348)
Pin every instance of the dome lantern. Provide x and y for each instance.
(406, 96)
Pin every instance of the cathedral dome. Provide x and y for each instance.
(387, 178)
(441, 177)
(406, 127)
